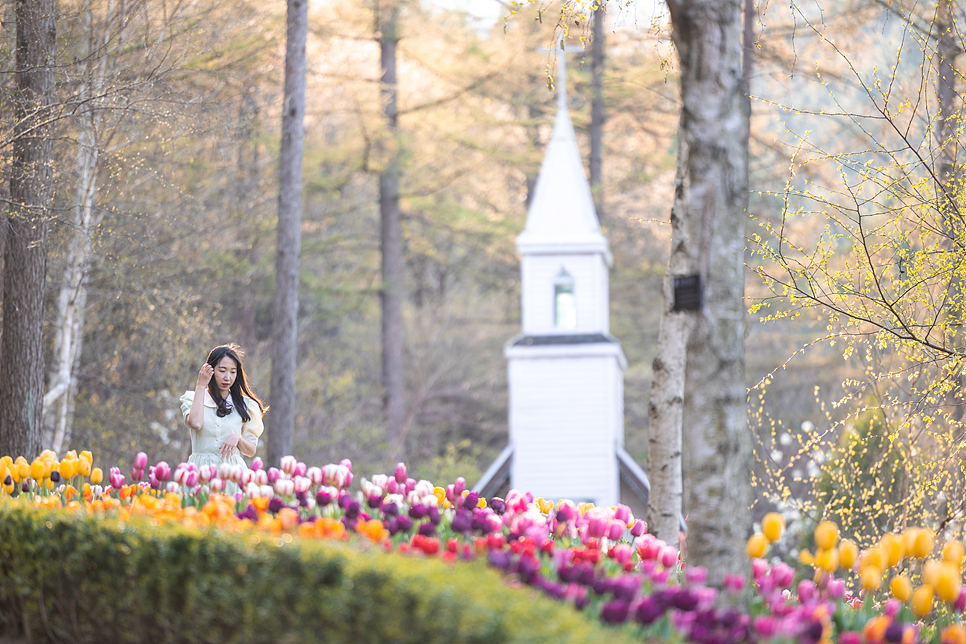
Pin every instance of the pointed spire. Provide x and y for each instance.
(562, 218)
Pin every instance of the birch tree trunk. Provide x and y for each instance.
(713, 193)
(391, 239)
(25, 253)
(72, 299)
(597, 116)
(289, 245)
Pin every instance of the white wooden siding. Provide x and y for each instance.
(591, 292)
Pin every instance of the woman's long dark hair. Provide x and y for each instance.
(239, 388)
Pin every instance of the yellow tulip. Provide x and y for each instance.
(21, 459)
(873, 558)
(83, 467)
(7, 460)
(924, 543)
(892, 547)
(901, 587)
(67, 469)
(954, 552)
(953, 634)
(440, 494)
(930, 572)
(86, 455)
(48, 455)
(908, 537)
(3, 471)
(481, 503)
(806, 557)
(772, 526)
(827, 560)
(544, 505)
(922, 600)
(756, 546)
(870, 578)
(71, 455)
(948, 582)
(37, 470)
(97, 475)
(826, 535)
(848, 554)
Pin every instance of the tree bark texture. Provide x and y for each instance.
(597, 116)
(391, 242)
(72, 299)
(711, 199)
(289, 237)
(25, 254)
(947, 50)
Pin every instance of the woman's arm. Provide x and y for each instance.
(246, 447)
(196, 417)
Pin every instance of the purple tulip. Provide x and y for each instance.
(615, 611)
(353, 509)
(140, 461)
(405, 523)
(462, 521)
(960, 604)
(55, 476)
(323, 497)
(648, 611)
(162, 471)
(418, 511)
(433, 514)
(427, 529)
(471, 500)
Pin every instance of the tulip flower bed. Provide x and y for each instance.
(232, 554)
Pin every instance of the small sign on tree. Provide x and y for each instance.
(687, 293)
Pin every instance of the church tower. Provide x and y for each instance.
(566, 372)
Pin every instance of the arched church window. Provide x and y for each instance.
(564, 305)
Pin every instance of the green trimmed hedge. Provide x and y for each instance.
(67, 576)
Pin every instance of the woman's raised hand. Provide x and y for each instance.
(204, 376)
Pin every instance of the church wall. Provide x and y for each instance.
(564, 423)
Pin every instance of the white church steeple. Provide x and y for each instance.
(564, 256)
(565, 370)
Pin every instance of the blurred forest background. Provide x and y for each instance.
(162, 238)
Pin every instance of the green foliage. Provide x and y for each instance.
(861, 487)
(74, 577)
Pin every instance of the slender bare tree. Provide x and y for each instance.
(393, 265)
(289, 244)
(25, 253)
(597, 115)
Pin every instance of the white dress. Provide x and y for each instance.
(206, 441)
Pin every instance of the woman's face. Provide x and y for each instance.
(225, 372)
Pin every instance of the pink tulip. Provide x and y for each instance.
(669, 557)
(172, 487)
(257, 463)
(410, 485)
(892, 605)
(734, 583)
(224, 471)
(284, 487)
(639, 528)
(784, 575)
(615, 531)
(247, 477)
(836, 589)
(960, 604)
(260, 477)
(267, 491)
(253, 491)
(300, 469)
(400, 473)
(346, 463)
(459, 486)
(392, 486)
(622, 513)
(191, 480)
(216, 485)
(696, 575)
(236, 473)
(273, 475)
(116, 478)
(140, 461)
(301, 484)
(807, 591)
(162, 471)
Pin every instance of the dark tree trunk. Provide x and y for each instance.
(25, 253)
(597, 114)
(289, 245)
(708, 239)
(391, 240)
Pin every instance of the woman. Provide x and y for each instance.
(223, 414)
